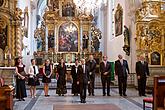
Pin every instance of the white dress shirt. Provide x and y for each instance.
(31, 71)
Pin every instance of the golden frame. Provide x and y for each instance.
(57, 34)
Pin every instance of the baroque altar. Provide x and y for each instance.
(66, 33)
(150, 32)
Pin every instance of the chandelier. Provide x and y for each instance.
(87, 6)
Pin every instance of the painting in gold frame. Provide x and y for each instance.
(68, 37)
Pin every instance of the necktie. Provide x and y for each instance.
(105, 63)
(34, 69)
(76, 69)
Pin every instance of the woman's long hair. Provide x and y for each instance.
(16, 62)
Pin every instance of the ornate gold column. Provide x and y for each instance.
(18, 24)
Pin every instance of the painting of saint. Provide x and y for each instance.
(68, 10)
(68, 38)
(155, 58)
(118, 20)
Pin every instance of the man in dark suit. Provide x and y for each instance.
(75, 86)
(105, 69)
(121, 70)
(142, 72)
(83, 79)
(92, 68)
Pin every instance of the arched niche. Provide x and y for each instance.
(155, 58)
(68, 37)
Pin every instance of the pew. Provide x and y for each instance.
(6, 97)
(159, 93)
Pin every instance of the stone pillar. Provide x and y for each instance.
(90, 38)
(108, 24)
(46, 39)
(81, 38)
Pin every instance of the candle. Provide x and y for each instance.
(5, 56)
(9, 55)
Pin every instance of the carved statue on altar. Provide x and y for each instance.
(85, 41)
(3, 38)
(51, 40)
(53, 4)
(96, 43)
(39, 44)
(126, 47)
(96, 35)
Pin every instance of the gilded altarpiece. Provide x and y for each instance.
(11, 32)
(66, 32)
(150, 32)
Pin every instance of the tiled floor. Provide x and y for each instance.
(131, 102)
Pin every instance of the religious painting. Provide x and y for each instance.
(155, 58)
(118, 20)
(70, 58)
(68, 37)
(68, 10)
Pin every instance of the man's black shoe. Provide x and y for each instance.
(124, 94)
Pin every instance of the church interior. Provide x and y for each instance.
(75, 30)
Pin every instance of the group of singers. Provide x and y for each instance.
(83, 77)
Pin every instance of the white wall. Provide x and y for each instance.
(114, 45)
(29, 42)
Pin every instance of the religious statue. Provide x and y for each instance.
(53, 4)
(126, 47)
(96, 35)
(3, 38)
(96, 43)
(39, 44)
(51, 40)
(85, 41)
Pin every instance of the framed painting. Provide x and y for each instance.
(118, 20)
(68, 37)
(155, 58)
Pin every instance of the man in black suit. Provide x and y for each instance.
(92, 68)
(105, 69)
(142, 72)
(75, 86)
(83, 79)
(121, 70)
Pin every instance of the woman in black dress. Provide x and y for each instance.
(20, 80)
(61, 82)
(47, 72)
(75, 86)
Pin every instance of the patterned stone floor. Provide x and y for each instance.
(55, 102)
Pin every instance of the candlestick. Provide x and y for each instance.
(5, 56)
